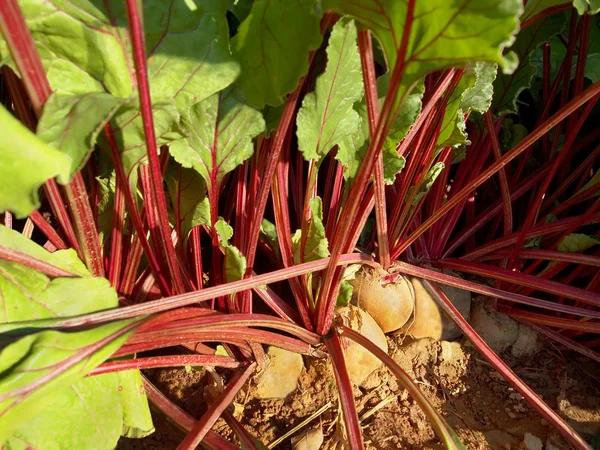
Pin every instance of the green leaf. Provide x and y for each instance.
(353, 148)
(535, 7)
(219, 136)
(79, 47)
(268, 234)
(235, 262)
(587, 6)
(577, 242)
(137, 421)
(63, 259)
(72, 123)
(34, 369)
(27, 294)
(188, 42)
(344, 294)
(315, 243)
(473, 93)
(272, 47)
(128, 129)
(85, 48)
(188, 196)
(558, 51)
(507, 87)
(106, 201)
(26, 163)
(443, 34)
(425, 186)
(327, 115)
(84, 418)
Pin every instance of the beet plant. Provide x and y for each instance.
(219, 176)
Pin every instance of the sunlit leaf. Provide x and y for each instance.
(26, 163)
(313, 246)
(219, 136)
(272, 46)
(72, 123)
(188, 197)
(327, 115)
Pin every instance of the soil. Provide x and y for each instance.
(474, 399)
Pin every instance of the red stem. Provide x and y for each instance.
(157, 197)
(122, 181)
(346, 393)
(365, 46)
(202, 427)
(212, 440)
(328, 294)
(508, 221)
(166, 361)
(534, 399)
(9, 254)
(541, 130)
(190, 298)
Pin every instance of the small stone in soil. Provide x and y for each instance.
(531, 442)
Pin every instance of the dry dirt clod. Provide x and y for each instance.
(527, 343)
(308, 440)
(360, 362)
(429, 320)
(497, 330)
(531, 442)
(391, 305)
(280, 377)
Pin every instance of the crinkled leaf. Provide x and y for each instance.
(84, 47)
(507, 87)
(315, 243)
(137, 421)
(189, 58)
(219, 136)
(128, 129)
(425, 186)
(235, 262)
(188, 197)
(63, 259)
(86, 415)
(443, 34)
(327, 115)
(26, 162)
(577, 242)
(473, 93)
(80, 49)
(71, 124)
(272, 46)
(38, 366)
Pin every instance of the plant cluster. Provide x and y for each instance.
(214, 173)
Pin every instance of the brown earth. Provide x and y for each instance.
(474, 399)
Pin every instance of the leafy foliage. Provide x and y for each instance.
(327, 115)
(266, 38)
(26, 164)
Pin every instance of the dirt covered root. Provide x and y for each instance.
(391, 305)
(360, 363)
